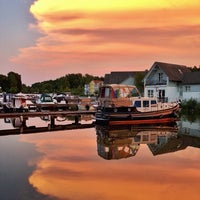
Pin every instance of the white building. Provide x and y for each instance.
(191, 86)
(164, 81)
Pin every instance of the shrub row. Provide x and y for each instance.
(190, 107)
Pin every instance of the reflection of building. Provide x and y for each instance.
(167, 144)
(188, 135)
(118, 142)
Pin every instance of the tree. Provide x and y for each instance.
(4, 83)
(195, 68)
(15, 83)
(139, 81)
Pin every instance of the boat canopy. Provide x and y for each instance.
(117, 91)
(46, 98)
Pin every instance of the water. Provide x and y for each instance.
(95, 163)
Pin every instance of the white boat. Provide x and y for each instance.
(17, 103)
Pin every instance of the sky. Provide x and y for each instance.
(47, 39)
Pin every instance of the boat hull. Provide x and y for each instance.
(130, 115)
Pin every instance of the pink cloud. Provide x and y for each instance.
(99, 42)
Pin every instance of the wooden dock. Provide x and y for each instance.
(52, 115)
(45, 113)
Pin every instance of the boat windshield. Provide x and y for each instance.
(119, 91)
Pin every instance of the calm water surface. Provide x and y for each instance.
(95, 163)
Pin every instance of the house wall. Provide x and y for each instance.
(172, 91)
(193, 92)
(158, 82)
(157, 77)
(92, 87)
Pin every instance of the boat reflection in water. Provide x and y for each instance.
(116, 142)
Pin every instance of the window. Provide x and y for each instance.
(153, 102)
(137, 104)
(150, 93)
(187, 88)
(107, 92)
(145, 103)
(160, 77)
(145, 138)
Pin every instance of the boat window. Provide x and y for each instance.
(137, 104)
(137, 138)
(145, 103)
(153, 102)
(47, 99)
(107, 92)
(117, 93)
(134, 93)
(102, 92)
(145, 138)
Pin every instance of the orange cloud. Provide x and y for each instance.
(111, 35)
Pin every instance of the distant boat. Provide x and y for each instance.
(58, 102)
(45, 102)
(17, 103)
(122, 104)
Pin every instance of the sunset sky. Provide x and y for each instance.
(47, 39)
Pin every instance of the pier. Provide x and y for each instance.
(52, 115)
(45, 113)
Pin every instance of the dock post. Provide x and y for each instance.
(76, 118)
(52, 121)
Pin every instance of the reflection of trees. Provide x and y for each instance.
(190, 118)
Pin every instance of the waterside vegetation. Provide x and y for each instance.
(190, 107)
(73, 83)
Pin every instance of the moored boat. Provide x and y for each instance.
(123, 104)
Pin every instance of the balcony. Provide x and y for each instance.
(156, 82)
(163, 99)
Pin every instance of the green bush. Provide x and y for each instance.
(190, 107)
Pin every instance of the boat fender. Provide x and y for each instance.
(115, 110)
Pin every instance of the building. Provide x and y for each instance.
(191, 86)
(93, 87)
(127, 78)
(164, 81)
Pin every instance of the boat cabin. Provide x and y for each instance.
(118, 91)
(115, 96)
